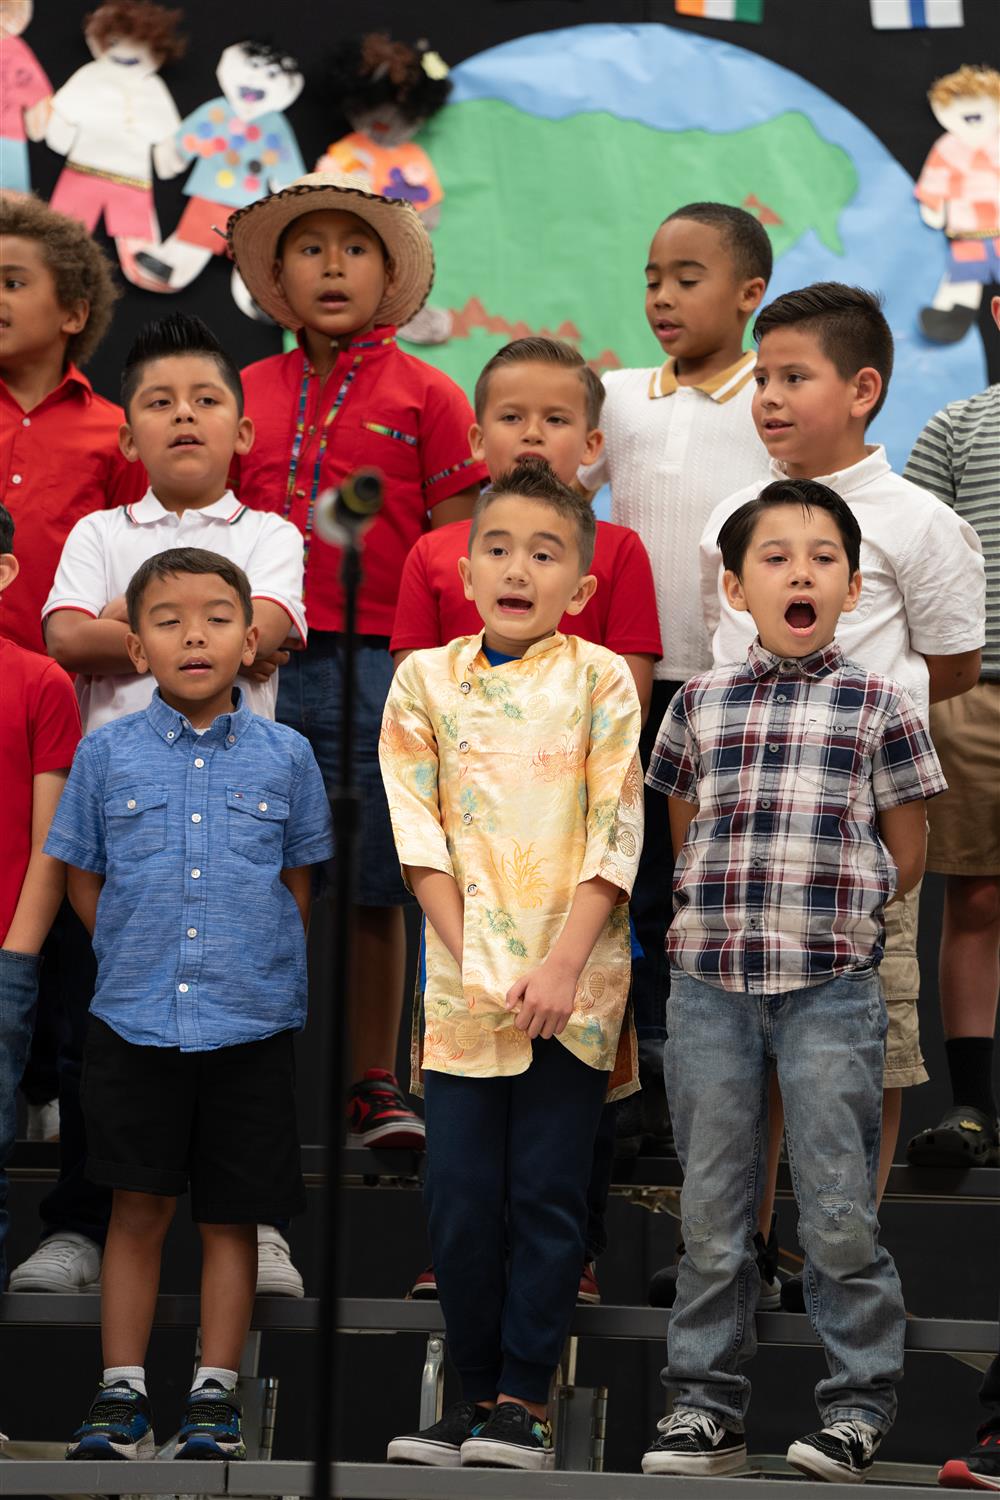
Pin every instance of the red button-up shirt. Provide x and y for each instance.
(380, 408)
(58, 462)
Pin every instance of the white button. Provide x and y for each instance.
(196, 817)
(199, 762)
(465, 687)
(192, 932)
(773, 749)
(15, 479)
(195, 874)
(782, 698)
(472, 888)
(262, 806)
(466, 817)
(463, 744)
(170, 734)
(183, 988)
(231, 739)
(25, 421)
(130, 803)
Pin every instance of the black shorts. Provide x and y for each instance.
(158, 1118)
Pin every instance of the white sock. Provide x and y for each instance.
(226, 1378)
(133, 1375)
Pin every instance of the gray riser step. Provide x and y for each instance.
(399, 1482)
(977, 1185)
(384, 1315)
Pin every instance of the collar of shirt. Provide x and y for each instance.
(73, 386)
(148, 510)
(873, 466)
(369, 344)
(465, 661)
(171, 725)
(721, 387)
(818, 664)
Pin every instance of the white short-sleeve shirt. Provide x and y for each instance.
(105, 548)
(671, 453)
(923, 587)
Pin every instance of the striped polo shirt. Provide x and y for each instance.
(957, 457)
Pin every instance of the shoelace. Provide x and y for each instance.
(62, 1252)
(691, 1423)
(211, 1411)
(509, 1414)
(111, 1410)
(853, 1432)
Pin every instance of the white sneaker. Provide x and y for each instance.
(276, 1276)
(43, 1121)
(63, 1263)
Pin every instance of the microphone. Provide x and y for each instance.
(342, 514)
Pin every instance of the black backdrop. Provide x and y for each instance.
(882, 77)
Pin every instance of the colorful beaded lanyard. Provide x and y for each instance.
(300, 428)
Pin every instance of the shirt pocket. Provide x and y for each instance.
(394, 450)
(136, 821)
(831, 756)
(256, 824)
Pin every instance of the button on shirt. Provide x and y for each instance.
(783, 877)
(199, 944)
(541, 754)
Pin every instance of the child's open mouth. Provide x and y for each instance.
(197, 667)
(800, 616)
(514, 606)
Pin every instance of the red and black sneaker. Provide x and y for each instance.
(425, 1288)
(589, 1292)
(378, 1113)
(980, 1469)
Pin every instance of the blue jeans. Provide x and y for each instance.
(18, 994)
(827, 1044)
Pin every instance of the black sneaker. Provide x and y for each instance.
(980, 1469)
(441, 1444)
(512, 1439)
(211, 1427)
(965, 1137)
(118, 1426)
(844, 1452)
(378, 1113)
(694, 1442)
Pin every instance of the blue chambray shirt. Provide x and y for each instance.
(199, 944)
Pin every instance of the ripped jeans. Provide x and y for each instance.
(827, 1044)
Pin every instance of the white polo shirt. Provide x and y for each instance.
(923, 582)
(105, 548)
(671, 453)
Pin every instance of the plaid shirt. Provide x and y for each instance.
(783, 877)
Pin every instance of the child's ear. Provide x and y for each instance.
(592, 447)
(752, 293)
(476, 442)
(584, 593)
(127, 443)
(133, 645)
(250, 645)
(867, 388)
(465, 573)
(732, 587)
(9, 569)
(853, 594)
(244, 436)
(75, 317)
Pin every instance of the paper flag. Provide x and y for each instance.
(722, 10)
(905, 15)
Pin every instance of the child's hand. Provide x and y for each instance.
(264, 667)
(543, 999)
(115, 609)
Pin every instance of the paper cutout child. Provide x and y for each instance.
(243, 148)
(959, 192)
(386, 91)
(25, 96)
(106, 119)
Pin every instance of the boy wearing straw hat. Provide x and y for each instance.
(343, 266)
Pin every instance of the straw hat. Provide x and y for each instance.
(254, 232)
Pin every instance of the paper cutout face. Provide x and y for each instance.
(15, 16)
(257, 81)
(974, 118)
(386, 125)
(124, 53)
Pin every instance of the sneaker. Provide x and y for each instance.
(589, 1292)
(964, 1138)
(118, 1426)
(211, 1427)
(980, 1469)
(276, 1275)
(694, 1442)
(65, 1262)
(42, 1123)
(441, 1444)
(425, 1288)
(378, 1113)
(512, 1439)
(842, 1452)
(663, 1286)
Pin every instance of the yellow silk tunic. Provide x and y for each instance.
(521, 781)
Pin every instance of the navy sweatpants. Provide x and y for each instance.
(508, 1163)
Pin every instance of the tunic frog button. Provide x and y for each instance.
(465, 687)
(130, 803)
(472, 888)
